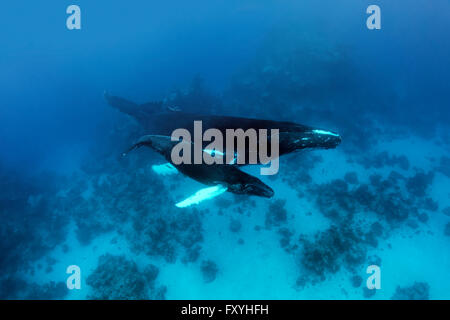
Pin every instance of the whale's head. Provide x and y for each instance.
(251, 186)
(324, 139)
(308, 138)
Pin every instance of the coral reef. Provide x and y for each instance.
(331, 249)
(447, 229)
(117, 278)
(368, 293)
(337, 200)
(444, 166)
(351, 177)
(356, 281)
(384, 159)
(114, 199)
(393, 200)
(446, 211)
(285, 239)
(235, 225)
(298, 179)
(209, 270)
(14, 288)
(419, 183)
(418, 291)
(276, 213)
(168, 233)
(33, 220)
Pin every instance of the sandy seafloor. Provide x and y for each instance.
(259, 268)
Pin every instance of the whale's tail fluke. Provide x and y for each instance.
(138, 111)
(122, 104)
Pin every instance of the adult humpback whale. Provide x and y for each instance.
(159, 120)
(221, 178)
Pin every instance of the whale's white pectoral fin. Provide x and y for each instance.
(164, 169)
(202, 195)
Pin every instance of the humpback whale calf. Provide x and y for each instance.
(157, 119)
(221, 178)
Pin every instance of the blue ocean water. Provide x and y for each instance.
(380, 198)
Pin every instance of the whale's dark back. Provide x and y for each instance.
(166, 122)
(159, 120)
